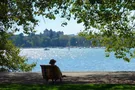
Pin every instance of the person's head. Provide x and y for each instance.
(52, 62)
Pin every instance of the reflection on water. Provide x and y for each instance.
(75, 59)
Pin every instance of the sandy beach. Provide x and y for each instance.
(122, 77)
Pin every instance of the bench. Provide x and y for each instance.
(51, 72)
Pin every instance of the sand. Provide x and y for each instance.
(122, 77)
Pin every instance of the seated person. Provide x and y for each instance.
(56, 70)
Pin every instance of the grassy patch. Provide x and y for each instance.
(67, 87)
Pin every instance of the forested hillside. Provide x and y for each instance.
(50, 38)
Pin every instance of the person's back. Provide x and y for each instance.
(56, 69)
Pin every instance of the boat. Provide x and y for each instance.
(46, 49)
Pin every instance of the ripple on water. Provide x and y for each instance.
(85, 59)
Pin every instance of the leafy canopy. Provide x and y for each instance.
(10, 60)
(113, 19)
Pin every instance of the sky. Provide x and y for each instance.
(71, 28)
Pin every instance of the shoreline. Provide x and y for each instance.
(96, 77)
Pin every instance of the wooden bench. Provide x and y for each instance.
(51, 72)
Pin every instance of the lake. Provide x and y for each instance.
(77, 59)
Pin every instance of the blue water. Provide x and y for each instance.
(75, 59)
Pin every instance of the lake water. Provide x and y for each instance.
(75, 59)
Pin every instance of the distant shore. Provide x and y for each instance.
(95, 77)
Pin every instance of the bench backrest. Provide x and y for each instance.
(50, 72)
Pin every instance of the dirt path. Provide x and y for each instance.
(71, 77)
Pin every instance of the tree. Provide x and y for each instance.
(73, 41)
(19, 40)
(113, 19)
(64, 40)
(46, 41)
(55, 42)
(10, 60)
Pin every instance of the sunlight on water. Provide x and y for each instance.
(75, 59)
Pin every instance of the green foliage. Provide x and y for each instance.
(10, 60)
(111, 23)
(114, 20)
(49, 39)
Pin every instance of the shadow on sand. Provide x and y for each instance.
(90, 78)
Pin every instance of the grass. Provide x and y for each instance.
(67, 87)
